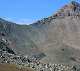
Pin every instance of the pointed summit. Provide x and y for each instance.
(75, 3)
(74, 6)
(71, 9)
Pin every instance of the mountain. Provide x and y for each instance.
(61, 35)
(55, 39)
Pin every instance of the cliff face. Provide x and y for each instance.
(58, 36)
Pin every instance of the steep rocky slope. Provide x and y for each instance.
(62, 35)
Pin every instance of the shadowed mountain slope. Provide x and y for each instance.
(18, 39)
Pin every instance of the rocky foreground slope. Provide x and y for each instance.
(14, 62)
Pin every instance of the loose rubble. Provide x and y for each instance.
(33, 63)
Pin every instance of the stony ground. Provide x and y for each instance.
(21, 63)
(30, 62)
(12, 67)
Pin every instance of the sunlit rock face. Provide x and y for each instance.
(71, 9)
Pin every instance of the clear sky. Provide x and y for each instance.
(28, 11)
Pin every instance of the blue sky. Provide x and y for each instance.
(28, 11)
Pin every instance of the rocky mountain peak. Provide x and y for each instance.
(75, 3)
(72, 6)
(71, 9)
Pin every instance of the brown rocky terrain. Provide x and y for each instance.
(12, 67)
